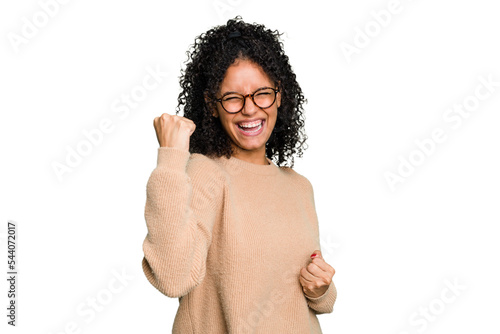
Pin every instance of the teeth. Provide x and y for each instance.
(250, 125)
(256, 129)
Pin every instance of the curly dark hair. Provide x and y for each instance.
(208, 59)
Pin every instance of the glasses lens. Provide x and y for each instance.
(264, 98)
(232, 102)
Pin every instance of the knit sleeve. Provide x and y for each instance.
(325, 302)
(183, 200)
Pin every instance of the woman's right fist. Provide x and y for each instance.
(173, 131)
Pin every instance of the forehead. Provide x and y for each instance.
(244, 76)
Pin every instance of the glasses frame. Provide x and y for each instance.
(276, 91)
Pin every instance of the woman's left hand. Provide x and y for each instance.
(317, 276)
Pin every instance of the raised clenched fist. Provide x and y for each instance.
(173, 131)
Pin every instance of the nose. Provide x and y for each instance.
(249, 108)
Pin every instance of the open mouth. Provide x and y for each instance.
(251, 128)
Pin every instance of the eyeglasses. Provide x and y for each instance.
(233, 102)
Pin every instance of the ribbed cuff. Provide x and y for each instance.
(323, 296)
(172, 158)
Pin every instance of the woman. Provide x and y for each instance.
(231, 233)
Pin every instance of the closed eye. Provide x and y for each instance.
(231, 98)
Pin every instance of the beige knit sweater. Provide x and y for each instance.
(228, 238)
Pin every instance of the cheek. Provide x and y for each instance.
(273, 117)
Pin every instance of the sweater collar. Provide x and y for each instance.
(233, 162)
